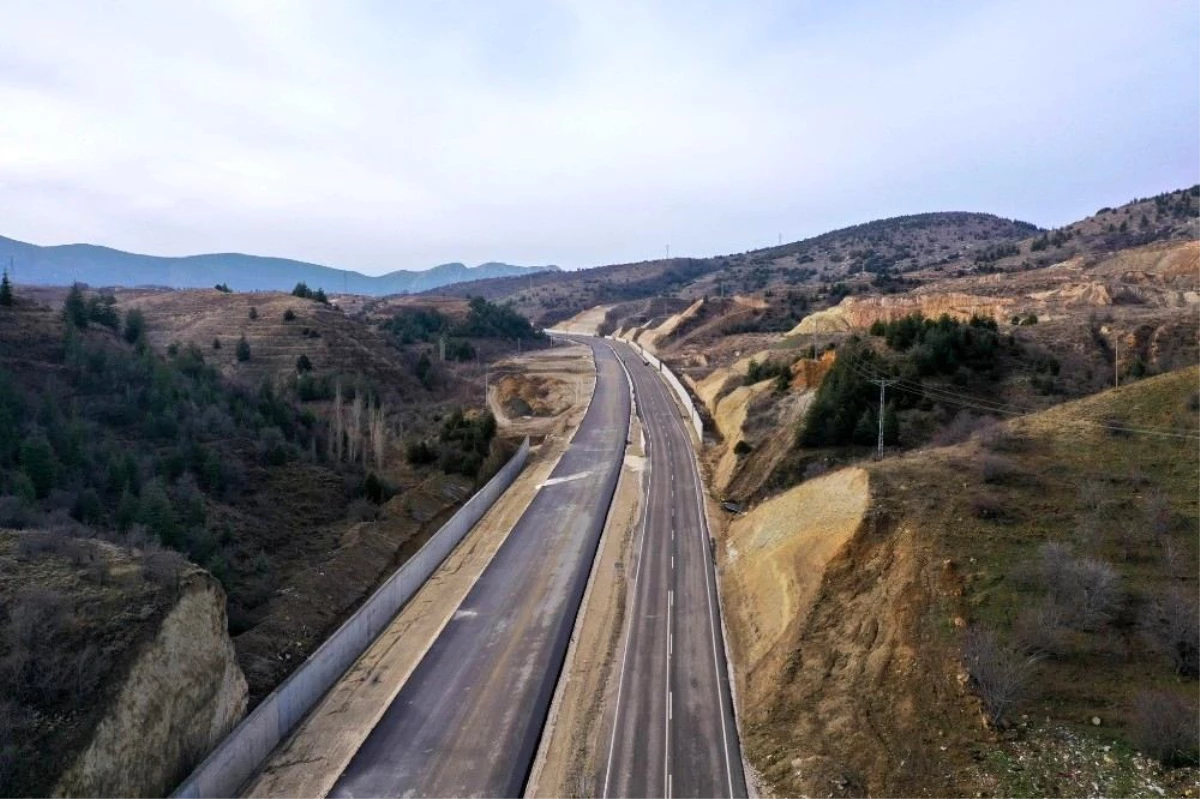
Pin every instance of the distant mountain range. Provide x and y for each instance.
(104, 266)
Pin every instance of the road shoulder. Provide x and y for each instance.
(311, 760)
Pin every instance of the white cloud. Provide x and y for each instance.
(381, 136)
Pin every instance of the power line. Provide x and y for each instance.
(987, 406)
(883, 383)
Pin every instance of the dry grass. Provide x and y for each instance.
(876, 696)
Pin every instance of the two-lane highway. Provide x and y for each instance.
(468, 720)
(673, 728)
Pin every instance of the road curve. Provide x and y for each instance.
(673, 728)
(468, 720)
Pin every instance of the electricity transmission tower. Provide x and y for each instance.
(883, 384)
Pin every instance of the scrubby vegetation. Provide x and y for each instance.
(845, 410)
(462, 446)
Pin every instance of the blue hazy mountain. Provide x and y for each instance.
(104, 266)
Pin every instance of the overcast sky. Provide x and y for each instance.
(380, 135)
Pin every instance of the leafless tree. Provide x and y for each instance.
(1001, 676)
(379, 432)
(1166, 727)
(1172, 624)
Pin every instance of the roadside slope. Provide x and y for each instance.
(850, 596)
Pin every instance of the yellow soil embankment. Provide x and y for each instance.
(650, 338)
(730, 417)
(776, 559)
(586, 322)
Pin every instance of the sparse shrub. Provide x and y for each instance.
(289, 315)
(216, 345)
(1000, 675)
(420, 453)
(990, 507)
(1041, 630)
(162, 566)
(253, 313)
(742, 447)
(1172, 625)
(1088, 591)
(1166, 727)
(362, 510)
(303, 364)
(243, 349)
(815, 469)
(997, 469)
(223, 288)
(963, 426)
(999, 438)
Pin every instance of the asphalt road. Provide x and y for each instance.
(468, 721)
(673, 729)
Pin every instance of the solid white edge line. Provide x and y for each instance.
(709, 565)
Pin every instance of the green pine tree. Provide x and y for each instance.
(866, 430)
(6, 292)
(75, 309)
(891, 425)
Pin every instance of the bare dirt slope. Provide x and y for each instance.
(859, 686)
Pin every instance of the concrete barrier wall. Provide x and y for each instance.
(245, 749)
(676, 386)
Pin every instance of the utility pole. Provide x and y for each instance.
(668, 252)
(485, 386)
(1117, 360)
(883, 384)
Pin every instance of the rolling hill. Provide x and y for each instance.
(103, 266)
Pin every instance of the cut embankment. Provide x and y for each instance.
(776, 560)
(850, 600)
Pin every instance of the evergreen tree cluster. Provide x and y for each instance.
(305, 293)
(122, 436)
(462, 445)
(484, 320)
(844, 410)
(80, 310)
(941, 346)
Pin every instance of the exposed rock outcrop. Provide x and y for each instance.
(181, 695)
(858, 313)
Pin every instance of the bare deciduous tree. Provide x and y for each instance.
(1001, 676)
(1165, 726)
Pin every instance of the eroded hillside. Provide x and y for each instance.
(1059, 545)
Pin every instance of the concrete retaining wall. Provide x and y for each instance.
(239, 756)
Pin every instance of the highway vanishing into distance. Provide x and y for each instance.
(673, 728)
(468, 720)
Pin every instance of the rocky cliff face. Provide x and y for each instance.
(180, 696)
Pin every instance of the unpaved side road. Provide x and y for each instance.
(573, 747)
(312, 759)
